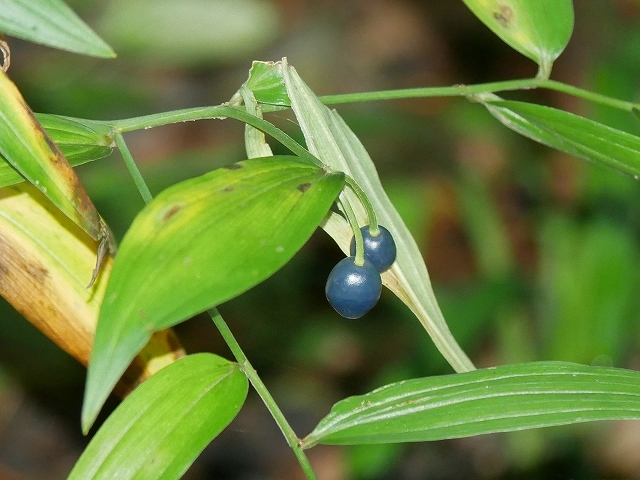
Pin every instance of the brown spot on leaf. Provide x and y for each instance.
(233, 166)
(171, 212)
(504, 16)
(303, 187)
(228, 189)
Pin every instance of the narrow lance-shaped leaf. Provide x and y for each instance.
(500, 399)
(539, 29)
(30, 150)
(200, 243)
(52, 23)
(570, 133)
(255, 141)
(161, 428)
(330, 139)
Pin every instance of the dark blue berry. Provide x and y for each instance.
(353, 290)
(379, 250)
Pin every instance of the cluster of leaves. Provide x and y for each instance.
(206, 240)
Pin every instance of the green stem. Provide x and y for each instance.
(218, 112)
(587, 95)
(133, 168)
(272, 406)
(469, 90)
(353, 222)
(371, 213)
(238, 113)
(452, 91)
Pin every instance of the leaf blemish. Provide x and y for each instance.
(504, 16)
(233, 166)
(228, 189)
(171, 212)
(303, 187)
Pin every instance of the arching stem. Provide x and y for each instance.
(353, 222)
(364, 200)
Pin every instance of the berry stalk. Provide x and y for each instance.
(353, 223)
(364, 200)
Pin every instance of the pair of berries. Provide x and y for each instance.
(353, 290)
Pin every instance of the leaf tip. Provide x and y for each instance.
(89, 413)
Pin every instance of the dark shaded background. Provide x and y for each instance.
(533, 254)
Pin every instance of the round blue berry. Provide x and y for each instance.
(379, 250)
(353, 290)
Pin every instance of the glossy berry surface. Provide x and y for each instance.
(353, 290)
(380, 250)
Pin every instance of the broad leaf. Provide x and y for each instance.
(30, 150)
(200, 243)
(52, 23)
(330, 139)
(161, 428)
(500, 399)
(539, 29)
(570, 133)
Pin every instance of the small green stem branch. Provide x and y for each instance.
(353, 222)
(371, 213)
(272, 406)
(133, 168)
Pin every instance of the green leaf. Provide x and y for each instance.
(254, 140)
(52, 23)
(332, 141)
(30, 151)
(500, 399)
(200, 243)
(266, 83)
(538, 29)
(570, 133)
(160, 429)
(78, 142)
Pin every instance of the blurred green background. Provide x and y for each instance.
(533, 254)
